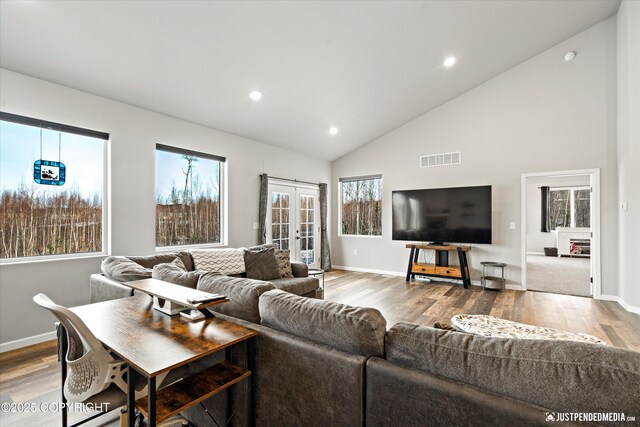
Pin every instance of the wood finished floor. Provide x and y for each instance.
(32, 374)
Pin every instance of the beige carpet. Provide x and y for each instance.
(559, 275)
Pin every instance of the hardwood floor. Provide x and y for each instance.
(32, 374)
(425, 303)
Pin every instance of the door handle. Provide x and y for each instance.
(297, 237)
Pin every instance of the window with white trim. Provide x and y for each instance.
(52, 178)
(361, 206)
(570, 207)
(189, 202)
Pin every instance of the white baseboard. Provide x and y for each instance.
(25, 342)
(514, 287)
(368, 270)
(535, 253)
(615, 298)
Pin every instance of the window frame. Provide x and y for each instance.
(572, 211)
(106, 223)
(360, 178)
(222, 196)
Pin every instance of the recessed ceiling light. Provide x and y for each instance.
(569, 56)
(333, 130)
(449, 62)
(255, 95)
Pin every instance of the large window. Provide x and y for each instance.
(188, 197)
(52, 180)
(361, 206)
(569, 207)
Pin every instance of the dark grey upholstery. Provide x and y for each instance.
(398, 396)
(122, 269)
(153, 260)
(243, 294)
(297, 285)
(299, 269)
(170, 272)
(558, 375)
(261, 264)
(356, 330)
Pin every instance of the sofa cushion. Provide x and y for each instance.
(122, 269)
(297, 285)
(152, 260)
(174, 272)
(558, 375)
(260, 247)
(284, 262)
(356, 330)
(299, 269)
(225, 261)
(261, 264)
(243, 294)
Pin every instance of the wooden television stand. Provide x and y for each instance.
(441, 268)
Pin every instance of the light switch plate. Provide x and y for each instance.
(512, 225)
(256, 225)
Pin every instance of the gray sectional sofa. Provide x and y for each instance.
(319, 363)
(109, 284)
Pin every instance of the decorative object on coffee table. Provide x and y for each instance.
(491, 326)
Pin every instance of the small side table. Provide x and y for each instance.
(318, 272)
(498, 282)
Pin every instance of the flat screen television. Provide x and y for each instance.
(439, 215)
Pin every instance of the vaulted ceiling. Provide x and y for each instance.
(363, 67)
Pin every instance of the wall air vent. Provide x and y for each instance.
(444, 159)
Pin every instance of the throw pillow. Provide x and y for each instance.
(178, 263)
(173, 273)
(122, 269)
(260, 247)
(284, 262)
(226, 261)
(262, 264)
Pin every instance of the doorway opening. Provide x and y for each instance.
(561, 232)
(293, 220)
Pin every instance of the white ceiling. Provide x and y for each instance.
(364, 67)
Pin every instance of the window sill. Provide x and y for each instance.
(52, 258)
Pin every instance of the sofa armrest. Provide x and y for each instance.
(299, 269)
(101, 288)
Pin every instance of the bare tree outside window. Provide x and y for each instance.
(361, 205)
(570, 207)
(187, 199)
(582, 210)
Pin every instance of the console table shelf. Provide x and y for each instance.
(441, 268)
(188, 392)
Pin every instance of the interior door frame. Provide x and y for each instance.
(294, 185)
(594, 180)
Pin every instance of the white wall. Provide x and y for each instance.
(536, 239)
(628, 19)
(543, 115)
(134, 133)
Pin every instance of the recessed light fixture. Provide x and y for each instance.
(255, 95)
(333, 130)
(450, 62)
(569, 56)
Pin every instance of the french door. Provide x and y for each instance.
(293, 222)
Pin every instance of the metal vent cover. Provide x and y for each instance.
(444, 159)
